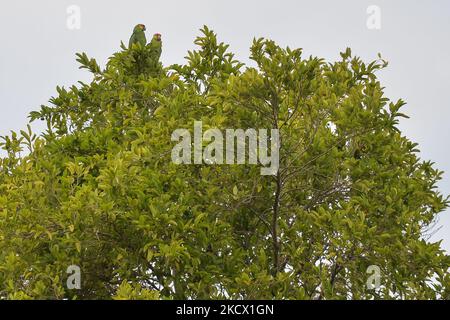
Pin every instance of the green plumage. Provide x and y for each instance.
(138, 36)
(156, 47)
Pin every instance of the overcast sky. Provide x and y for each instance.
(38, 49)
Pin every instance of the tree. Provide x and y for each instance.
(98, 188)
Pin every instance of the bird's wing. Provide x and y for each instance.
(132, 40)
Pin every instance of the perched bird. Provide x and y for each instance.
(156, 47)
(138, 36)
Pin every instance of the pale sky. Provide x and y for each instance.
(38, 50)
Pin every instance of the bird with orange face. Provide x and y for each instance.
(156, 47)
(138, 36)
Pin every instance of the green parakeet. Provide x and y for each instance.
(138, 36)
(156, 47)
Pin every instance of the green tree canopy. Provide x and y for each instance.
(98, 188)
